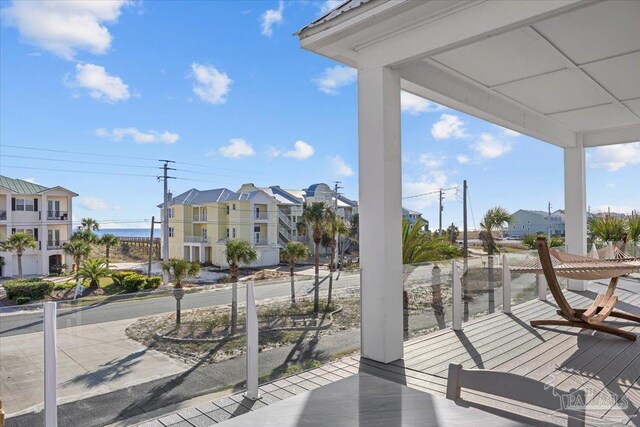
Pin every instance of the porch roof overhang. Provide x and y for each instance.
(563, 71)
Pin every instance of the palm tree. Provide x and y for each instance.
(89, 224)
(181, 269)
(494, 219)
(414, 244)
(633, 224)
(94, 270)
(109, 240)
(237, 252)
(291, 253)
(77, 249)
(335, 228)
(315, 216)
(606, 228)
(19, 242)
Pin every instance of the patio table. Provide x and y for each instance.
(367, 400)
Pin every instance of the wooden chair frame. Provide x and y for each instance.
(589, 318)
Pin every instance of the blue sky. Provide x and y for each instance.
(223, 89)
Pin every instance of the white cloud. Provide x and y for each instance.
(462, 159)
(491, 147)
(95, 204)
(139, 137)
(273, 152)
(328, 5)
(429, 161)
(237, 148)
(448, 126)
(31, 180)
(615, 157)
(210, 84)
(301, 151)
(427, 183)
(335, 78)
(270, 18)
(416, 105)
(65, 27)
(340, 167)
(100, 84)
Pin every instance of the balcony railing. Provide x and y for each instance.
(55, 244)
(3, 215)
(57, 215)
(262, 242)
(200, 217)
(195, 239)
(261, 215)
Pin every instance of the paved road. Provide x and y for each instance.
(15, 324)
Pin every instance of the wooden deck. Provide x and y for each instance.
(606, 367)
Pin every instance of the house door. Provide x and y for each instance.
(257, 212)
(256, 233)
(53, 209)
(204, 234)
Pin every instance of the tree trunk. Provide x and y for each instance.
(178, 293)
(333, 254)
(293, 289)
(20, 265)
(316, 290)
(107, 255)
(234, 300)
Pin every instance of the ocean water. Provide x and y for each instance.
(129, 232)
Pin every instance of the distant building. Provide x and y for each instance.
(412, 217)
(536, 222)
(42, 212)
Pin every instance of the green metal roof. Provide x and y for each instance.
(20, 186)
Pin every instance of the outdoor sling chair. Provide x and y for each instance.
(553, 264)
(518, 389)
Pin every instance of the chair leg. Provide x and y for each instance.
(585, 325)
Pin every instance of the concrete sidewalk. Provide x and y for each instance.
(92, 360)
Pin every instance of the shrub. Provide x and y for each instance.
(34, 289)
(134, 282)
(152, 282)
(64, 285)
(58, 270)
(23, 300)
(119, 277)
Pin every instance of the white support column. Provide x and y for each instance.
(456, 296)
(252, 346)
(380, 180)
(575, 204)
(50, 365)
(506, 285)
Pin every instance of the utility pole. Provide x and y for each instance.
(549, 221)
(440, 222)
(165, 215)
(336, 193)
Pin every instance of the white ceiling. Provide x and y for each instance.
(581, 68)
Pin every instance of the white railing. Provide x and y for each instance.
(195, 239)
(261, 215)
(261, 242)
(200, 217)
(285, 220)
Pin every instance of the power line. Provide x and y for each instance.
(78, 161)
(23, 147)
(430, 193)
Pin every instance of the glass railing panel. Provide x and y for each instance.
(22, 363)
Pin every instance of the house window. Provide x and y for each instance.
(234, 206)
(24, 205)
(227, 209)
(234, 233)
(170, 231)
(227, 233)
(28, 231)
(170, 213)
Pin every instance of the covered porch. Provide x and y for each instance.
(564, 72)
